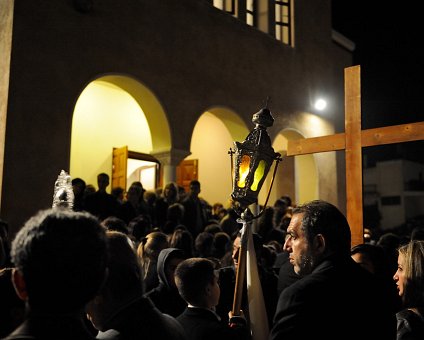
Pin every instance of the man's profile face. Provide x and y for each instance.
(296, 244)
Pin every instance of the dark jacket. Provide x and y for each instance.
(141, 320)
(338, 300)
(410, 325)
(165, 296)
(126, 211)
(52, 326)
(195, 215)
(203, 324)
(101, 204)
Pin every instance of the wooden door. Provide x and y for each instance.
(187, 170)
(119, 167)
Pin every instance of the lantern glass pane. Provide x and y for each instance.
(243, 171)
(259, 173)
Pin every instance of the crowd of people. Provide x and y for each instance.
(162, 265)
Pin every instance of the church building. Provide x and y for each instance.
(162, 89)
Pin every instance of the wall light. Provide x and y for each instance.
(320, 104)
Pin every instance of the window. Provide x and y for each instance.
(283, 21)
(274, 17)
(226, 5)
(250, 12)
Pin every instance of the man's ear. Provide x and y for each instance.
(208, 290)
(19, 284)
(319, 244)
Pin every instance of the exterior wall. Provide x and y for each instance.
(390, 184)
(414, 189)
(397, 191)
(190, 54)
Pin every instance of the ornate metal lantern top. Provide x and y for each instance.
(254, 157)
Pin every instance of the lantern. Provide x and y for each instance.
(253, 159)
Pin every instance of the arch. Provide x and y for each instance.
(114, 111)
(232, 121)
(212, 137)
(153, 110)
(296, 177)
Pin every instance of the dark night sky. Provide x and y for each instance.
(390, 49)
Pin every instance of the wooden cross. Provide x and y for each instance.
(352, 141)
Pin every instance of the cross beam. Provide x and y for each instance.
(352, 141)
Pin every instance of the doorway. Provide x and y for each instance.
(117, 110)
(131, 166)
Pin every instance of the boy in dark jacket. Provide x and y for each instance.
(197, 283)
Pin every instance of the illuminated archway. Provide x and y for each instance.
(296, 177)
(114, 111)
(212, 137)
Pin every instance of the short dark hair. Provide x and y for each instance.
(116, 224)
(324, 218)
(103, 174)
(78, 181)
(192, 276)
(203, 244)
(117, 191)
(181, 238)
(62, 256)
(141, 226)
(195, 182)
(375, 255)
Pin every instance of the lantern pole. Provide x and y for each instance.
(254, 158)
(246, 219)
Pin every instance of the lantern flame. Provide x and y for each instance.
(243, 171)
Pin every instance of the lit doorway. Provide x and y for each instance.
(111, 111)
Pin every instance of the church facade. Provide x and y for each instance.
(180, 61)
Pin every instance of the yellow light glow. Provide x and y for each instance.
(243, 171)
(259, 173)
(108, 108)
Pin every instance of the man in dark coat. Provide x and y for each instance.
(120, 311)
(101, 203)
(335, 298)
(195, 212)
